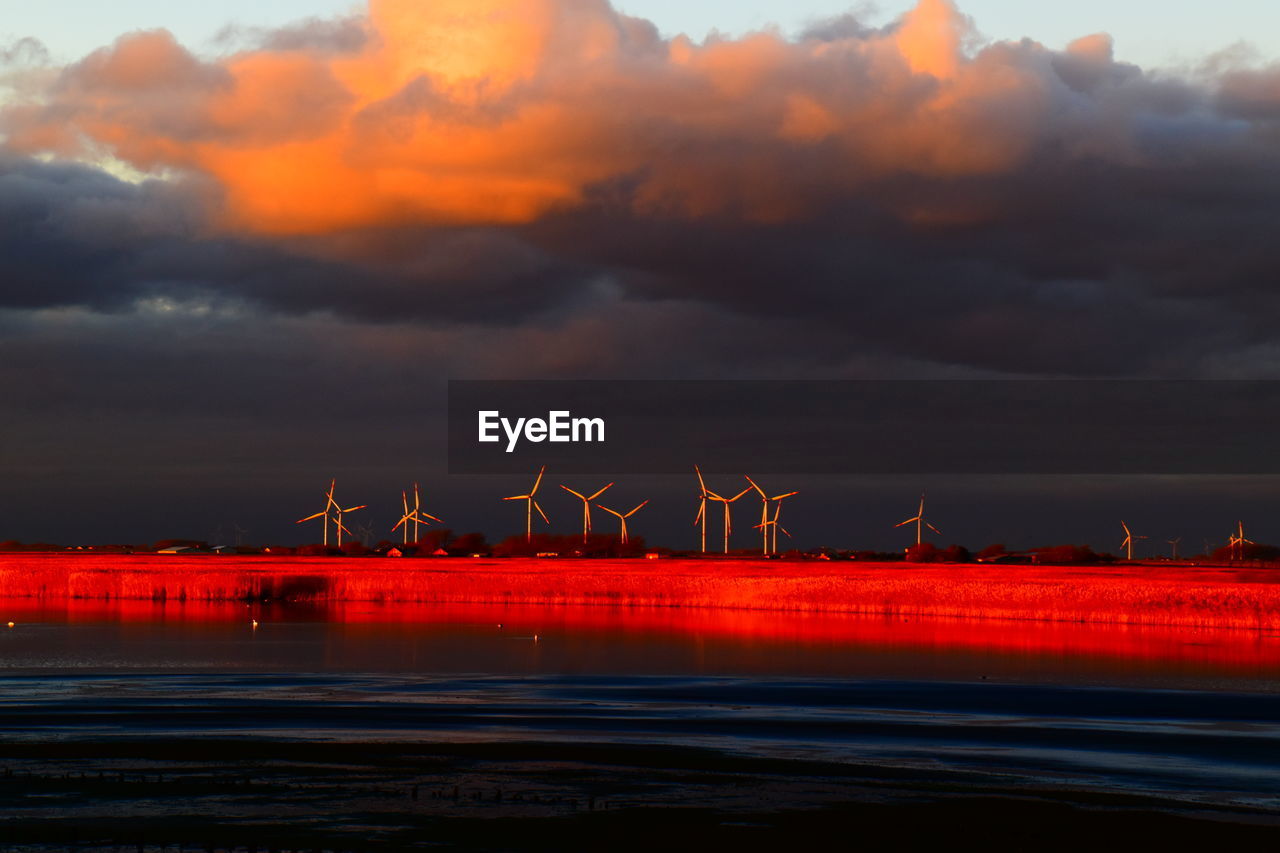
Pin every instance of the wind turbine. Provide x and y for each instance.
(413, 516)
(586, 507)
(1237, 542)
(702, 508)
(773, 523)
(531, 505)
(623, 518)
(728, 521)
(328, 502)
(764, 524)
(240, 533)
(1128, 541)
(342, 528)
(1174, 544)
(920, 523)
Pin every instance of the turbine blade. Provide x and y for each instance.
(611, 511)
(601, 492)
(701, 482)
(934, 529)
(519, 498)
(756, 487)
(787, 495)
(433, 518)
(309, 517)
(702, 510)
(540, 512)
(637, 509)
(738, 495)
(354, 508)
(572, 492)
(538, 481)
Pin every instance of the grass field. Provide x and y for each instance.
(1143, 595)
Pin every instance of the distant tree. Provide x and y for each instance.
(181, 543)
(318, 551)
(925, 552)
(955, 554)
(1066, 555)
(1250, 551)
(432, 540)
(469, 543)
(354, 549)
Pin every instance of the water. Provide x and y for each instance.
(1191, 719)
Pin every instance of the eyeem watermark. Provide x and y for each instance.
(557, 428)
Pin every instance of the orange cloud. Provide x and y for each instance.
(502, 111)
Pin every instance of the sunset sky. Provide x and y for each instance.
(234, 266)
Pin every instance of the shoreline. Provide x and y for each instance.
(1158, 596)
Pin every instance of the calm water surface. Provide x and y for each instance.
(1185, 715)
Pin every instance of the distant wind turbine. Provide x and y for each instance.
(1237, 542)
(1174, 547)
(765, 523)
(531, 504)
(728, 521)
(1127, 544)
(623, 518)
(920, 523)
(586, 507)
(413, 516)
(337, 521)
(702, 508)
(772, 524)
(324, 514)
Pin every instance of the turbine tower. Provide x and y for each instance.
(1173, 543)
(1127, 544)
(702, 508)
(324, 513)
(728, 521)
(920, 523)
(772, 524)
(623, 518)
(1237, 542)
(413, 516)
(586, 507)
(339, 512)
(765, 524)
(530, 505)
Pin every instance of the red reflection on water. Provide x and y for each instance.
(746, 637)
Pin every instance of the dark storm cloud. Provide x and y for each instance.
(333, 224)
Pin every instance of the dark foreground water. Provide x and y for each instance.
(432, 726)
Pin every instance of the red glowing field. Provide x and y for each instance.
(1189, 597)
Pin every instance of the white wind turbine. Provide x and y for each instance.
(531, 505)
(623, 518)
(339, 512)
(324, 514)
(728, 521)
(1237, 542)
(1127, 544)
(586, 507)
(1173, 545)
(413, 516)
(772, 524)
(765, 523)
(920, 523)
(702, 508)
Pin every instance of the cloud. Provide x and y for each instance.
(899, 197)
(502, 112)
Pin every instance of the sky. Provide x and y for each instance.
(1149, 33)
(228, 275)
